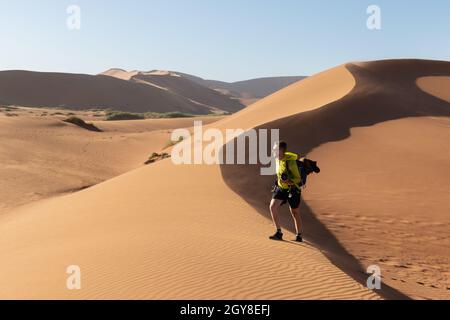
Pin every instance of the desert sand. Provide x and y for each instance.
(192, 232)
(133, 238)
(383, 191)
(44, 156)
(436, 86)
(136, 236)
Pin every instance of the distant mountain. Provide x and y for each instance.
(189, 89)
(134, 91)
(117, 89)
(248, 90)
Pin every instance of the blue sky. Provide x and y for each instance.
(226, 40)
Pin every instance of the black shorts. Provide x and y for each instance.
(293, 196)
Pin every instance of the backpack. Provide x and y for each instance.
(305, 168)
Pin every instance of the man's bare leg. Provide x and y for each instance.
(275, 205)
(298, 220)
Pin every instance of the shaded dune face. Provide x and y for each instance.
(384, 91)
(191, 90)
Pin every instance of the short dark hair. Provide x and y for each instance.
(282, 145)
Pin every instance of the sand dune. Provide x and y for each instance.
(302, 96)
(136, 237)
(189, 89)
(48, 157)
(80, 92)
(258, 88)
(120, 73)
(178, 85)
(389, 208)
(436, 86)
(162, 231)
(248, 91)
(140, 126)
(193, 232)
(386, 183)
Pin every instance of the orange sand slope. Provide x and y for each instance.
(302, 96)
(436, 86)
(42, 157)
(135, 237)
(391, 207)
(162, 231)
(382, 195)
(138, 236)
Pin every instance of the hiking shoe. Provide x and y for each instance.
(277, 236)
(299, 238)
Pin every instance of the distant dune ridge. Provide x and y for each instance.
(250, 90)
(132, 91)
(189, 89)
(247, 91)
(380, 132)
(80, 91)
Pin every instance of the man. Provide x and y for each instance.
(287, 189)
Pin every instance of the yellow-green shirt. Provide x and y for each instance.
(288, 166)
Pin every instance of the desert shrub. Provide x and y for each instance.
(156, 156)
(8, 108)
(172, 143)
(167, 115)
(121, 115)
(118, 115)
(81, 123)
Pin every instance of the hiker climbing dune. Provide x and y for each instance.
(291, 174)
